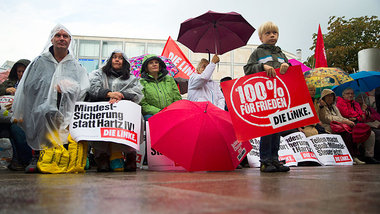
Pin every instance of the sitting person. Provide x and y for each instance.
(160, 89)
(202, 88)
(330, 113)
(371, 115)
(317, 128)
(372, 118)
(22, 153)
(45, 98)
(113, 82)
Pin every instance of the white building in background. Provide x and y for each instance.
(92, 51)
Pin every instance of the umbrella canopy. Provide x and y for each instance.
(296, 62)
(136, 63)
(363, 81)
(215, 32)
(326, 77)
(197, 135)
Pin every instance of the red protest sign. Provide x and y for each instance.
(260, 105)
(175, 54)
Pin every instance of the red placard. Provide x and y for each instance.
(260, 105)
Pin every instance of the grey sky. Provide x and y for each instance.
(26, 24)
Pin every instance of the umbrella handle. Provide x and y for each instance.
(206, 107)
(216, 39)
(216, 47)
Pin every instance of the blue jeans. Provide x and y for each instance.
(21, 150)
(146, 117)
(269, 146)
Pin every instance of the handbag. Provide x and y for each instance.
(338, 127)
(361, 133)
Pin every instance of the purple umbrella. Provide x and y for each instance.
(215, 32)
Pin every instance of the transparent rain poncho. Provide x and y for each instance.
(130, 88)
(45, 98)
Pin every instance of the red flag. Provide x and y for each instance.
(320, 53)
(175, 54)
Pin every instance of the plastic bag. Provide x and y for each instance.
(61, 160)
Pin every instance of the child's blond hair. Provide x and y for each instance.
(267, 26)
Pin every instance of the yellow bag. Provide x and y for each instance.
(61, 160)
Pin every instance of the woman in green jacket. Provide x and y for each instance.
(160, 89)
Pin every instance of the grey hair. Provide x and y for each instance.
(346, 89)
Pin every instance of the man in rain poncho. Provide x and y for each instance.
(45, 98)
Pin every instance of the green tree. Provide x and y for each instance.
(345, 38)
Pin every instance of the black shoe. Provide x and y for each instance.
(280, 166)
(16, 166)
(370, 160)
(267, 167)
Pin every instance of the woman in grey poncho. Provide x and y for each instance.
(113, 82)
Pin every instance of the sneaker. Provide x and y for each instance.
(32, 167)
(117, 165)
(130, 162)
(357, 161)
(280, 166)
(267, 167)
(102, 162)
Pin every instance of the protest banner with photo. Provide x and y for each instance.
(156, 160)
(295, 148)
(260, 105)
(253, 156)
(175, 54)
(330, 149)
(101, 121)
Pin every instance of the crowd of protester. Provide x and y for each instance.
(46, 89)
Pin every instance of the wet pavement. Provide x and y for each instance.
(342, 189)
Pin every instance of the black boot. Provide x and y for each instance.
(103, 162)
(130, 162)
(267, 166)
(280, 166)
(370, 160)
